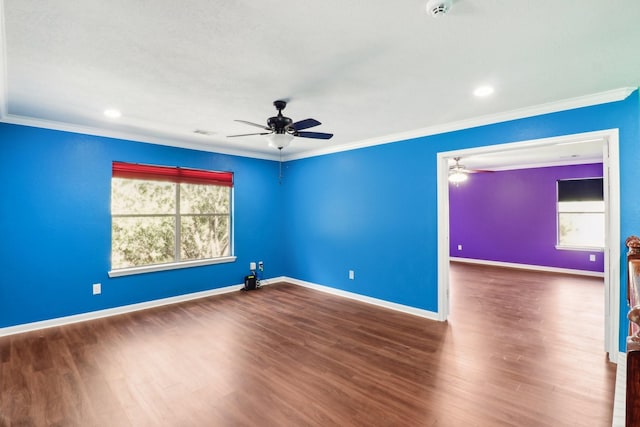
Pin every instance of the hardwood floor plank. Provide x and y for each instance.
(517, 351)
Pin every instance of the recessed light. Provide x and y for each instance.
(483, 91)
(112, 113)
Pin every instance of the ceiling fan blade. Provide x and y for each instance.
(315, 135)
(249, 134)
(253, 124)
(304, 124)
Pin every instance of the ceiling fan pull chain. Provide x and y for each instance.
(280, 167)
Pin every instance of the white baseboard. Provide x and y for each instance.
(83, 317)
(363, 298)
(264, 282)
(620, 394)
(529, 267)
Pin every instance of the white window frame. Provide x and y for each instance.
(177, 263)
(565, 246)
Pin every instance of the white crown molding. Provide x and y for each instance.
(536, 110)
(131, 136)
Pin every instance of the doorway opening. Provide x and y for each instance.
(608, 140)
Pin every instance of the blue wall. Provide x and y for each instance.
(370, 211)
(373, 210)
(55, 223)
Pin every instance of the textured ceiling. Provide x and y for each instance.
(369, 71)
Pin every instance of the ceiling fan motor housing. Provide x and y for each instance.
(279, 123)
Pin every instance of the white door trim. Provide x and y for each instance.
(611, 165)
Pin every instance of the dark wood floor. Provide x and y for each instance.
(520, 349)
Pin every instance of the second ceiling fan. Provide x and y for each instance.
(458, 172)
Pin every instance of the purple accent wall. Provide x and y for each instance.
(510, 216)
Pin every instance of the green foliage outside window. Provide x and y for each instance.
(155, 222)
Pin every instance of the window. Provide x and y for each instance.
(168, 216)
(581, 213)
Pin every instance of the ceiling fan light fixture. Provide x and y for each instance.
(458, 176)
(279, 140)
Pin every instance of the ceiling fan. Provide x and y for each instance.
(459, 173)
(281, 130)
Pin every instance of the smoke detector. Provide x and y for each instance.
(438, 8)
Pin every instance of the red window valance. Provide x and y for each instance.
(173, 174)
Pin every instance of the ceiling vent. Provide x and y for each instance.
(438, 8)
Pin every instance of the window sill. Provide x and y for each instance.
(580, 248)
(169, 266)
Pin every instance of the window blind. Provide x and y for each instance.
(581, 190)
(173, 174)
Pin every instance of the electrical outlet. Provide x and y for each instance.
(260, 266)
(97, 288)
(351, 275)
(459, 247)
(592, 257)
(252, 266)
